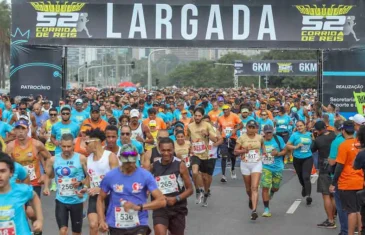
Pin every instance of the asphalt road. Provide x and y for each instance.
(228, 212)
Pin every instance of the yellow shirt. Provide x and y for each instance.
(200, 143)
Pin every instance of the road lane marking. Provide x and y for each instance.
(314, 178)
(294, 206)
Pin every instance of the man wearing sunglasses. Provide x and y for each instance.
(63, 127)
(22, 111)
(125, 138)
(174, 182)
(128, 188)
(99, 163)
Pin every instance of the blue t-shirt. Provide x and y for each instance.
(263, 123)
(6, 115)
(117, 113)
(132, 188)
(282, 123)
(59, 129)
(145, 109)
(41, 119)
(244, 122)
(163, 117)
(335, 145)
(12, 208)
(278, 164)
(67, 171)
(5, 128)
(20, 173)
(178, 116)
(301, 115)
(79, 117)
(169, 117)
(305, 150)
(331, 118)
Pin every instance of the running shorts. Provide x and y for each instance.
(92, 204)
(205, 166)
(75, 211)
(271, 179)
(323, 184)
(140, 230)
(349, 201)
(248, 168)
(173, 219)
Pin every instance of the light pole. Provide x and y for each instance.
(149, 81)
(78, 75)
(102, 66)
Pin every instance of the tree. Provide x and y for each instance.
(5, 21)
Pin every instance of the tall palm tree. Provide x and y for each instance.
(5, 22)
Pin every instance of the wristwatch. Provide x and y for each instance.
(178, 198)
(141, 207)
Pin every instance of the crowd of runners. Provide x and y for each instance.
(112, 156)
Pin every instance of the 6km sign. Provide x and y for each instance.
(276, 68)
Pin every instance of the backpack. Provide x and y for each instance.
(278, 142)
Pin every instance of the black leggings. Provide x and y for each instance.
(226, 153)
(303, 167)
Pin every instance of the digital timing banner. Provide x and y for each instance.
(344, 76)
(186, 23)
(35, 71)
(275, 68)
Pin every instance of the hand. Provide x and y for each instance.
(103, 226)
(76, 184)
(93, 191)
(130, 206)
(204, 133)
(139, 138)
(46, 192)
(299, 145)
(170, 201)
(274, 153)
(41, 179)
(38, 226)
(81, 192)
(332, 189)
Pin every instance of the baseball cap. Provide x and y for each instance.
(220, 99)
(112, 121)
(65, 107)
(251, 123)
(348, 125)
(268, 129)
(95, 108)
(134, 113)
(320, 125)
(226, 106)
(338, 124)
(358, 119)
(128, 153)
(153, 123)
(24, 117)
(21, 123)
(244, 111)
(78, 101)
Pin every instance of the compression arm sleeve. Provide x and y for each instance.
(338, 171)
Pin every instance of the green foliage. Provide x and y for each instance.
(5, 21)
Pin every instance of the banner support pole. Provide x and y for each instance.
(64, 72)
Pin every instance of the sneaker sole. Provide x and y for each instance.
(254, 217)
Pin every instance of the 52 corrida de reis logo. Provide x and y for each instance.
(55, 20)
(327, 23)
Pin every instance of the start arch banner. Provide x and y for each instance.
(185, 23)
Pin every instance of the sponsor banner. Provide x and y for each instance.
(35, 71)
(360, 102)
(343, 77)
(185, 23)
(276, 68)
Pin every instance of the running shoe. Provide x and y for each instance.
(266, 213)
(53, 187)
(223, 179)
(199, 198)
(309, 200)
(205, 201)
(254, 215)
(233, 174)
(250, 204)
(327, 224)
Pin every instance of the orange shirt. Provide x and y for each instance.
(330, 128)
(186, 123)
(214, 115)
(79, 149)
(350, 179)
(160, 124)
(269, 114)
(101, 124)
(228, 124)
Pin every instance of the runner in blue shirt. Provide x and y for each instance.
(13, 198)
(78, 114)
(127, 187)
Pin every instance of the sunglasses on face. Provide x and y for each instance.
(53, 114)
(251, 127)
(22, 109)
(65, 113)
(129, 154)
(125, 133)
(89, 141)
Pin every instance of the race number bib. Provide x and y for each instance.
(66, 187)
(125, 219)
(7, 228)
(228, 130)
(31, 172)
(167, 183)
(96, 180)
(283, 127)
(199, 147)
(186, 159)
(268, 159)
(304, 148)
(252, 156)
